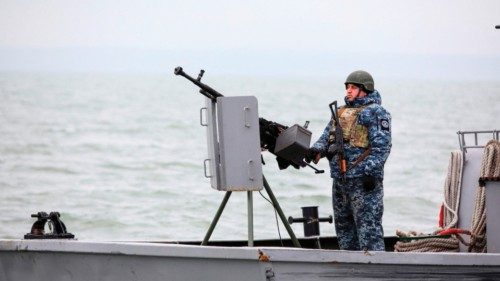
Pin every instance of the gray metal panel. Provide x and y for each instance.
(470, 177)
(338, 271)
(77, 261)
(493, 216)
(375, 257)
(74, 260)
(31, 266)
(239, 144)
(128, 248)
(273, 254)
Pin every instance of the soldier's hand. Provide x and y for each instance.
(317, 158)
(369, 183)
(332, 150)
(313, 154)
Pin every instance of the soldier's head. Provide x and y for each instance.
(359, 84)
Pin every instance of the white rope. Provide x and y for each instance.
(452, 189)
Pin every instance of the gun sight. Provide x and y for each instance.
(200, 75)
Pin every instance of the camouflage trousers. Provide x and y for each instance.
(358, 215)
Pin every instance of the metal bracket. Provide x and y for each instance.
(205, 168)
(250, 171)
(201, 117)
(245, 110)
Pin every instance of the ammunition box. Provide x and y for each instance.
(293, 143)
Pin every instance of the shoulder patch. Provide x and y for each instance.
(385, 124)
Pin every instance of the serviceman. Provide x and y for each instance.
(358, 193)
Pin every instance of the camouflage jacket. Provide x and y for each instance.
(378, 122)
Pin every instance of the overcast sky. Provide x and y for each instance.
(315, 27)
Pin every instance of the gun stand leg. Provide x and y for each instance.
(216, 218)
(276, 205)
(250, 218)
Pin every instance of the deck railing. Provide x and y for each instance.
(475, 136)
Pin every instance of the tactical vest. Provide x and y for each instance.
(354, 133)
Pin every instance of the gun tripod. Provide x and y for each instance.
(276, 206)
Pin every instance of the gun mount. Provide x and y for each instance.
(269, 131)
(234, 150)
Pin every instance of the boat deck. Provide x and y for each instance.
(326, 243)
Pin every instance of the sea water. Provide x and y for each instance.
(120, 156)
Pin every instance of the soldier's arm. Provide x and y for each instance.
(321, 145)
(379, 136)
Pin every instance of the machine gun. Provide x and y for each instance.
(336, 140)
(269, 130)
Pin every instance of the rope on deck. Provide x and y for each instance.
(423, 244)
(490, 171)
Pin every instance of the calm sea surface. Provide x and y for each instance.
(121, 156)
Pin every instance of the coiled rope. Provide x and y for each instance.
(452, 189)
(425, 243)
(490, 171)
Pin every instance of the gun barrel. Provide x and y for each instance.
(204, 89)
(178, 70)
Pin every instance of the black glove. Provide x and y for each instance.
(311, 154)
(369, 183)
(332, 150)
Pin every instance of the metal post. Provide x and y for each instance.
(250, 218)
(280, 213)
(216, 218)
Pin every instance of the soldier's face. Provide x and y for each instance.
(352, 92)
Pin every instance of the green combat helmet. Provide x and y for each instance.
(362, 78)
